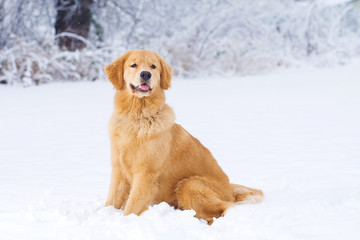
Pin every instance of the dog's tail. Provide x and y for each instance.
(245, 195)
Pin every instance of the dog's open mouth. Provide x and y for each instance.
(141, 88)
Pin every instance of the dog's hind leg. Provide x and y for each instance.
(203, 196)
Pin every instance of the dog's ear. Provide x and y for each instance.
(166, 73)
(115, 71)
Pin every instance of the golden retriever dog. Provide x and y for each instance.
(154, 159)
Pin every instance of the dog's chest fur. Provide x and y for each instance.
(138, 137)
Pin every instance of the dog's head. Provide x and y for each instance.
(139, 72)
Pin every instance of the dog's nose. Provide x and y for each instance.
(145, 75)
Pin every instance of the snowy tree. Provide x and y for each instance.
(73, 23)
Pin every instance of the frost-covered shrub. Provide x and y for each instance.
(30, 63)
(252, 36)
(241, 36)
(195, 37)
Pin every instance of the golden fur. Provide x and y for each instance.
(154, 159)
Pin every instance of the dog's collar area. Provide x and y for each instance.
(141, 88)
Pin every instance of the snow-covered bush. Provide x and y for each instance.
(252, 36)
(195, 37)
(30, 63)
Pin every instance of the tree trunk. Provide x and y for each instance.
(3, 30)
(73, 17)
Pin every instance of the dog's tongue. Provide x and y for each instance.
(144, 87)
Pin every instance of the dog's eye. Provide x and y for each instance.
(134, 65)
(153, 66)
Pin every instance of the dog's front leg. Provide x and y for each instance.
(119, 189)
(119, 186)
(142, 193)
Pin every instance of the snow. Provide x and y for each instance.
(295, 134)
(333, 2)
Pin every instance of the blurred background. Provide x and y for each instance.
(43, 41)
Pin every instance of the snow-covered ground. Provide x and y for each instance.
(295, 134)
